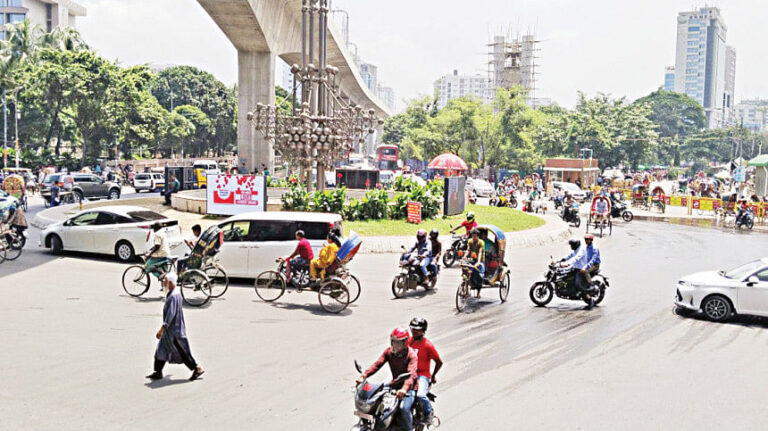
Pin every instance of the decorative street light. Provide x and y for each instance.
(326, 126)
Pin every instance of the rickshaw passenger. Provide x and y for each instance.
(476, 251)
(181, 264)
(491, 251)
(601, 208)
(326, 258)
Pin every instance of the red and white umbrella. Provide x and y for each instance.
(448, 161)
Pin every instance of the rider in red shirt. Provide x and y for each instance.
(426, 353)
(469, 224)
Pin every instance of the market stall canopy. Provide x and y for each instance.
(760, 161)
(447, 161)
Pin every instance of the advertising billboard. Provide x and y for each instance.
(454, 199)
(235, 194)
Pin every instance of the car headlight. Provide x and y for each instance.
(685, 283)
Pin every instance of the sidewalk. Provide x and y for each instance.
(553, 230)
(679, 215)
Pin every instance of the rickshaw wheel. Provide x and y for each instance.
(627, 216)
(269, 286)
(610, 227)
(333, 296)
(195, 288)
(353, 284)
(504, 288)
(462, 296)
(541, 293)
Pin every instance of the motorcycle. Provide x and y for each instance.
(745, 219)
(561, 281)
(410, 277)
(619, 209)
(503, 200)
(451, 254)
(571, 216)
(378, 408)
(558, 202)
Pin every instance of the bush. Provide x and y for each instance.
(296, 199)
(404, 184)
(374, 206)
(330, 202)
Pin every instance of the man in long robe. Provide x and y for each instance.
(173, 346)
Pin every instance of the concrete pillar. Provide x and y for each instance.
(256, 84)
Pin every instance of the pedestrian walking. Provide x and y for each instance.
(173, 346)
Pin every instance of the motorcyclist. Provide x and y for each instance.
(567, 204)
(468, 225)
(426, 353)
(401, 359)
(742, 208)
(421, 251)
(582, 259)
(437, 249)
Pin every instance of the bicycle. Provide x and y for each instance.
(194, 284)
(12, 243)
(332, 292)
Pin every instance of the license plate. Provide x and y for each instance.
(364, 416)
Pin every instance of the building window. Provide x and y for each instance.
(49, 21)
(15, 17)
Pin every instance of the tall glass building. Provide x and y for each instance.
(701, 65)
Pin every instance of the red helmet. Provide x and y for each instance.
(399, 334)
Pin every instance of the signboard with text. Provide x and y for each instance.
(235, 194)
(454, 199)
(413, 209)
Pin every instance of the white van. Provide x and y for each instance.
(206, 165)
(252, 241)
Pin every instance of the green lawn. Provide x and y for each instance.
(506, 219)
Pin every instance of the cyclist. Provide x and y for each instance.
(158, 254)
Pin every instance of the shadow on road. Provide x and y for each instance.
(165, 381)
(317, 310)
(739, 319)
(418, 294)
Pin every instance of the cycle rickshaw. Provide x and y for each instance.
(658, 199)
(195, 284)
(335, 292)
(640, 196)
(600, 220)
(497, 274)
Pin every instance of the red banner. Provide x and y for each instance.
(414, 212)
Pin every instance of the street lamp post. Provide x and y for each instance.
(326, 126)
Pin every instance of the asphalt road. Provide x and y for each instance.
(76, 347)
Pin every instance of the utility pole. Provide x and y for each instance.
(5, 131)
(16, 115)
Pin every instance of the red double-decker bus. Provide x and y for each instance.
(386, 157)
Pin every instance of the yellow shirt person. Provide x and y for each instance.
(326, 258)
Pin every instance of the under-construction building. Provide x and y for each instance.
(512, 61)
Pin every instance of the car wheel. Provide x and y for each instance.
(717, 308)
(124, 251)
(56, 245)
(114, 194)
(77, 197)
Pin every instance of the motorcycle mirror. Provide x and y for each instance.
(358, 367)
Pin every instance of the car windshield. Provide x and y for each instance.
(571, 186)
(51, 178)
(142, 177)
(743, 271)
(140, 216)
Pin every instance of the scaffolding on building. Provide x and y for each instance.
(512, 61)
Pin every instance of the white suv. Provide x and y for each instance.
(148, 181)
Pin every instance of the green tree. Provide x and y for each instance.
(187, 85)
(195, 144)
(676, 117)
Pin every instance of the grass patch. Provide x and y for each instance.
(506, 219)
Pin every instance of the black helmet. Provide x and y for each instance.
(434, 233)
(421, 234)
(470, 216)
(574, 243)
(418, 324)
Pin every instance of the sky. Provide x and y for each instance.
(619, 47)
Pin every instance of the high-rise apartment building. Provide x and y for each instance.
(752, 114)
(669, 78)
(48, 14)
(454, 86)
(701, 62)
(730, 77)
(387, 95)
(370, 75)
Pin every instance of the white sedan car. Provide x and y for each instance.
(119, 230)
(721, 294)
(480, 187)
